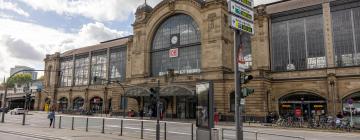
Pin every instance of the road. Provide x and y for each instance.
(174, 131)
(7, 136)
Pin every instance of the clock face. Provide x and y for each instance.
(174, 40)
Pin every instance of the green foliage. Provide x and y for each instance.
(19, 79)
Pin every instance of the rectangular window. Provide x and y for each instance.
(346, 36)
(98, 67)
(66, 72)
(81, 70)
(118, 63)
(298, 44)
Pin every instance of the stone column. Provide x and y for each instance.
(105, 100)
(328, 35)
(70, 102)
(87, 102)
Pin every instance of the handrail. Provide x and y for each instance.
(262, 133)
(125, 119)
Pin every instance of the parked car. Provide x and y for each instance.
(6, 110)
(17, 111)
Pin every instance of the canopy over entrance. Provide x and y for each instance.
(137, 92)
(177, 90)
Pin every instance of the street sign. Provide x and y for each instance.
(174, 52)
(241, 24)
(248, 3)
(241, 11)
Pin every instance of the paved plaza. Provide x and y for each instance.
(37, 128)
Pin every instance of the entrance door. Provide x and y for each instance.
(311, 105)
(185, 107)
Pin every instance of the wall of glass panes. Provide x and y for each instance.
(98, 67)
(189, 48)
(81, 70)
(346, 37)
(66, 66)
(118, 63)
(298, 44)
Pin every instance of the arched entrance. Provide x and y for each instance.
(63, 104)
(96, 105)
(78, 104)
(355, 97)
(309, 104)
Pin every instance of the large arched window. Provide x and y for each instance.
(176, 45)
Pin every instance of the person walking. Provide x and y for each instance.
(51, 117)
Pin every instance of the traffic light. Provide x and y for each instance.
(28, 97)
(246, 91)
(153, 93)
(246, 79)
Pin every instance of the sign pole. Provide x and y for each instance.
(238, 117)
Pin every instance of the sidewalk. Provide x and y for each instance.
(57, 134)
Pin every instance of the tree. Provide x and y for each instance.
(19, 79)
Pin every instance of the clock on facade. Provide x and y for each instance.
(174, 40)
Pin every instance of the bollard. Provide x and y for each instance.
(103, 126)
(192, 131)
(121, 128)
(59, 122)
(142, 130)
(23, 120)
(54, 122)
(72, 123)
(87, 125)
(256, 135)
(222, 133)
(164, 130)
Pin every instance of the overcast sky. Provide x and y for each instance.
(30, 29)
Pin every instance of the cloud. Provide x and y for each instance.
(21, 43)
(22, 50)
(99, 10)
(5, 5)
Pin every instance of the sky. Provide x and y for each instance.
(30, 29)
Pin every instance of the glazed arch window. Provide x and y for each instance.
(180, 33)
(66, 74)
(346, 33)
(81, 70)
(297, 42)
(118, 63)
(98, 66)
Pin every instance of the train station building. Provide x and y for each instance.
(304, 54)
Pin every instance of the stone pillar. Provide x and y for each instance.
(87, 102)
(328, 35)
(105, 100)
(332, 103)
(116, 99)
(70, 102)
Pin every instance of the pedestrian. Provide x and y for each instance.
(51, 117)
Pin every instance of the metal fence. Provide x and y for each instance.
(229, 134)
(143, 129)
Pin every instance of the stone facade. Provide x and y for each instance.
(331, 83)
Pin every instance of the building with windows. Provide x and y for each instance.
(304, 54)
(22, 68)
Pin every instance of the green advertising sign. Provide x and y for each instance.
(241, 11)
(241, 24)
(248, 3)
